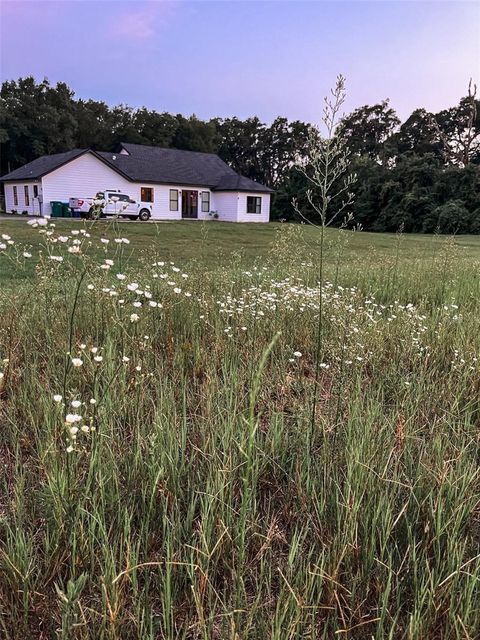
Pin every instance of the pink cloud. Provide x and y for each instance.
(143, 23)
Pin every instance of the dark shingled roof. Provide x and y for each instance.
(154, 165)
(235, 182)
(43, 165)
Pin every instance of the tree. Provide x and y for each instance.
(35, 119)
(195, 135)
(239, 145)
(156, 128)
(368, 129)
(418, 134)
(94, 125)
(459, 129)
(281, 146)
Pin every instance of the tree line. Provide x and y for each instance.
(422, 175)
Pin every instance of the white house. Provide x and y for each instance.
(178, 184)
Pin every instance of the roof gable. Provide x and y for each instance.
(43, 165)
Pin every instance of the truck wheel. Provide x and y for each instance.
(144, 215)
(93, 214)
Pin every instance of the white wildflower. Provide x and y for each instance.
(71, 418)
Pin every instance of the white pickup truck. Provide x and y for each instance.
(111, 203)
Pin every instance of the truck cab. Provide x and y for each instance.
(119, 204)
(112, 202)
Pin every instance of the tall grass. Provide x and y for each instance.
(197, 502)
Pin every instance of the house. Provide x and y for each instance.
(178, 184)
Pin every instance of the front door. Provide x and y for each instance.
(189, 204)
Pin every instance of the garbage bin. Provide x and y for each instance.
(57, 209)
(66, 213)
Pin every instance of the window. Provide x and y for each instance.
(146, 194)
(35, 191)
(15, 197)
(254, 204)
(120, 197)
(205, 201)
(173, 199)
(27, 197)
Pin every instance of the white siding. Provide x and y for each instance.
(263, 216)
(226, 205)
(161, 205)
(83, 178)
(33, 207)
(86, 175)
(232, 206)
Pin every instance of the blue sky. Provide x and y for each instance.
(246, 57)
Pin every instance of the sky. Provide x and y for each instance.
(245, 57)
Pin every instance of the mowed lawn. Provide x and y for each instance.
(215, 244)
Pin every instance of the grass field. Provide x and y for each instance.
(172, 465)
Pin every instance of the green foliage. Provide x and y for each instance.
(368, 129)
(405, 171)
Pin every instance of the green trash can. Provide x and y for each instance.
(57, 209)
(66, 213)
